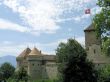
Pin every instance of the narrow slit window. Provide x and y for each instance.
(33, 64)
(94, 51)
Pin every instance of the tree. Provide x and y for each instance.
(1, 76)
(76, 68)
(67, 50)
(80, 70)
(104, 74)
(102, 22)
(21, 74)
(106, 47)
(7, 70)
(102, 19)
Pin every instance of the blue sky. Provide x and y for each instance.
(42, 23)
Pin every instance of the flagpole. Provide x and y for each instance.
(91, 17)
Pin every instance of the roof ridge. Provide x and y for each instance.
(35, 51)
(25, 52)
(90, 28)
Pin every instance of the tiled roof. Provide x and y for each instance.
(25, 52)
(90, 28)
(35, 51)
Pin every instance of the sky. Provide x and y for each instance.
(42, 23)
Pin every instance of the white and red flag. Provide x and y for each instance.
(87, 11)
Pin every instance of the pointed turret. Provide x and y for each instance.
(35, 51)
(25, 53)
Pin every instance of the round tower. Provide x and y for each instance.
(35, 64)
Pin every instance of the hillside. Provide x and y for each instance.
(8, 58)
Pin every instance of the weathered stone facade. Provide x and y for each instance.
(93, 47)
(37, 64)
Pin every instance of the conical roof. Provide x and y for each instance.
(25, 52)
(90, 28)
(35, 51)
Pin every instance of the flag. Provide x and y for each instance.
(87, 11)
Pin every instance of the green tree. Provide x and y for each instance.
(106, 47)
(104, 74)
(102, 19)
(7, 70)
(74, 65)
(1, 76)
(102, 22)
(21, 75)
(67, 50)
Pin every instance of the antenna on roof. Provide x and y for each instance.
(74, 36)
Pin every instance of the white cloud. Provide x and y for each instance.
(11, 48)
(41, 15)
(81, 40)
(79, 18)
(5, 24)
(75, 18)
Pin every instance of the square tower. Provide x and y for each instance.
(91, 37)
(92, 44)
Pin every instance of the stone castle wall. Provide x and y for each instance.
(39, 67)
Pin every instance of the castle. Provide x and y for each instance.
(37, 64)
(41, 66)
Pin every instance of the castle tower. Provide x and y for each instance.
(92, 43)
(21, 59)
(93, 46)
(35, 64)
(90, 37)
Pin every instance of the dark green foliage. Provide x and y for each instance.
(80, 70)
(104, 74)
(102, 19)
(64, 53)
(21, 75)
(67, 50)
(7, 70)
(1, 76)
(73, 65)
(106, 47)
(102, 23)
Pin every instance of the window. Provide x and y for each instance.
(33, 64)
(43, 62)
(94, 51)
(38, 64)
